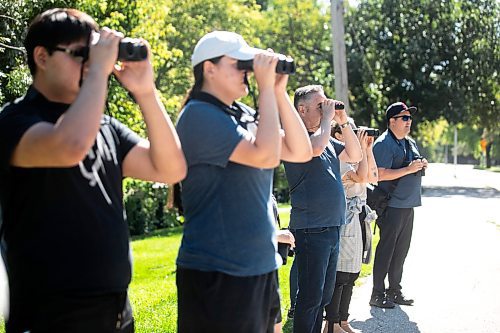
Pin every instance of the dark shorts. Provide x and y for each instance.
(215, 302)
(110, 313)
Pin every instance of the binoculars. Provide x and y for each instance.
(285, 65)
(421, 172)
(131, 49)
(369, 131)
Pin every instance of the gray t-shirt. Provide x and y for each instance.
(316, 191)
(390, 153)
(229, 224)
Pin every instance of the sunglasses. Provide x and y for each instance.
(81, 52)
(405, 117)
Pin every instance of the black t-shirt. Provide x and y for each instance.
(64, 228)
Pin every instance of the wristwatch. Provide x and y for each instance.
(344, 125)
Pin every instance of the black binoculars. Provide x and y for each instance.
(285, 65)
(369, 131)
(420, 172)
(131, 49)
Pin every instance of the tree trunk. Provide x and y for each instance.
(488, 156)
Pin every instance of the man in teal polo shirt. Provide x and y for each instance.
(399, 163)
(318, 204)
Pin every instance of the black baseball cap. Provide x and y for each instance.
(396, 108)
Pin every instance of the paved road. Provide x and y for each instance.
(453, 268)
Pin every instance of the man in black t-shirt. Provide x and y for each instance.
(61, 168)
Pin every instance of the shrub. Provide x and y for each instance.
(145, 205)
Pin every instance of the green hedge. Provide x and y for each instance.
(145, 205)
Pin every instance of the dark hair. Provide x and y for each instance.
(57, 26)
(198, 79)
(335, 129)
(303, 93)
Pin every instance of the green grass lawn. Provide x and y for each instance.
(153, 292)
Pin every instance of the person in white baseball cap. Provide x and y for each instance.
(219, 43)
(227, 263)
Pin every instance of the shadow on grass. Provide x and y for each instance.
(159, 233)
(439, 191)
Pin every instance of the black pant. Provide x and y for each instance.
(214, 302)
(109, 313)
(338, 309)
(395, 236)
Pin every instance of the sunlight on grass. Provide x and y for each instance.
(153, 291)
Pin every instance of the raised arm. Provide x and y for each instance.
(160, 158)
(66, 142)
(361, 174)
(372, 164)
(352, 152)
(264, 150)
(320, 138)
(296, 146)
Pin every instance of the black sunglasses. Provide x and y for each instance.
(405, 117)
(81, 52)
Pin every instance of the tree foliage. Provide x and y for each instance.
(441, 55)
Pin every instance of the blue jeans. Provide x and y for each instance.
(317, 251)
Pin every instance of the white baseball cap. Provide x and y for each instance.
(220, 43)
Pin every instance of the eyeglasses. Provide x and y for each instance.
(81, 52)
(405, 117)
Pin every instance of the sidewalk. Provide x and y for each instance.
(463, 175)
(453, 267)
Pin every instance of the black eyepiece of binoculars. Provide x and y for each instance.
(285, 65)
(131, 49)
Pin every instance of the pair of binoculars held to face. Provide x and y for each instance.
(285, 65)
(129, 49)
(369, 131)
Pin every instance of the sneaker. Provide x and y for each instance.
(381, 301)
(291, 312)
(399, 298)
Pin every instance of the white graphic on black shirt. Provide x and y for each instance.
(100, 152)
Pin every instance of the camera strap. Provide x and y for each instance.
(234, 110)
(406, 145)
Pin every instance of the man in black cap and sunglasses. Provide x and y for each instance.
(400, 169)
(61, 168)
